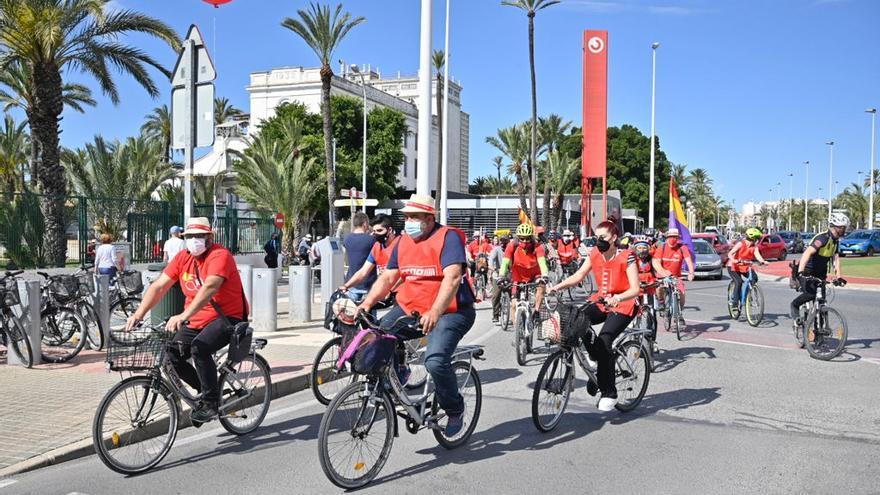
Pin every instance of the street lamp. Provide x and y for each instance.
(357, 70)
(790, 197)
(443, 193)
(806, 195)
(830, 174)
(873, 112)
(654, 47)
(819, 197)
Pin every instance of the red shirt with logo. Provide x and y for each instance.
(671, 258)
(381, 254)
(421, 269)
(218, 261)
(524, 265)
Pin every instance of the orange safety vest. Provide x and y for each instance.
(612, 279)
(566, 252)
(382, 254)
(646, 273)
(744, 253)
(421, 272)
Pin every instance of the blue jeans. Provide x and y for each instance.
(357, 295)
(442, 342)
(108, 271)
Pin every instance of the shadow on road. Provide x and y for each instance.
(494, 375)
(668, 360)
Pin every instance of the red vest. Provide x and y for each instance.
(646, 273)
(672, 258)
(421, 272)
(745, 253)
(382, 254)
(612, 279)
(566, 252)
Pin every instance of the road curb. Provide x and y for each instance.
(85, 447)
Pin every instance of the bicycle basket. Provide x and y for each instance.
(138, 350)
(131, 282)
(9, 292)
(64, 288)
(86, 281)
(368, 352)
(567, 325)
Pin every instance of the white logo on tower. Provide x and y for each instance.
(596, 45)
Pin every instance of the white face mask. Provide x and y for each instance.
(195, 246)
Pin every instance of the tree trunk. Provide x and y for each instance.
(34, 160)
(326, 77)
(521, 191)
(440, 170)
(47, 107)
(546, 204)
(533, 182)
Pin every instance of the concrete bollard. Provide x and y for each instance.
(102, 303)
(265, 309)
(300, 294)
(29, 294)
(247, 282)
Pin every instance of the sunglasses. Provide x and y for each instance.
(525, 239)
(195, 236)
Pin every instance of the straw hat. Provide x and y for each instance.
(419, 203)
(198, 225)
(672, 233)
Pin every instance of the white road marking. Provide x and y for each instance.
(7, 482)
(748, 344)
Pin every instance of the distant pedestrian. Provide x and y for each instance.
(106, 260)
(304, 248)
(358, 245)
(272, 248)
(174, 244)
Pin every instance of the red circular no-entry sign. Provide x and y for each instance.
(279, 220)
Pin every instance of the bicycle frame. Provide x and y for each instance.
(746, 287)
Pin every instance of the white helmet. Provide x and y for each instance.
(838, 220)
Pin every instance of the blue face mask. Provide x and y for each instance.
(414, 228)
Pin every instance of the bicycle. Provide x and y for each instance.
(124, 298)
(481, 277)
(85, 306)
(557, 375)
(646, 317)
(751, 298)
(136, 422)
(12, 333)
(372, 406)
(63, 330)
(504, 315)
(828, 330)
(672, 312)
(524, 323)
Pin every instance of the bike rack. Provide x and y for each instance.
(102, 302)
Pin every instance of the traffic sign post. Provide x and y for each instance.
(279, 220)
(192, 106)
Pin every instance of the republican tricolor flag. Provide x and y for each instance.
(677, 218)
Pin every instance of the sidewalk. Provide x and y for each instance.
(782, 272)
(47, 412)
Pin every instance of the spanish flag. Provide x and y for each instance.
(677, 218)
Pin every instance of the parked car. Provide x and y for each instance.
(861, 242)
(772, 247)
(717, 241)
(807, 237)
(708, 263)
(793, 242)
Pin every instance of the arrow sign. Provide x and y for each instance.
(357, 202)
(204, 69)
(352, 193)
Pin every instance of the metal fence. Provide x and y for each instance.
(143, 224)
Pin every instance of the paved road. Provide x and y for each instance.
(731, 409)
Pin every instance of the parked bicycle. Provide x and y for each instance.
(12, 333)
(556, 379)
(85, 306)
(672, 312)
(136, 422)
(125, 298)
(750, 297)
(358, 428)
(62, 328)
(823, 329)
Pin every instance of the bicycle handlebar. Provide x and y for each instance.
(43, 274)
(13, 274)
(371, 322)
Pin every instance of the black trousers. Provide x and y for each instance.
(496, 300)
(808, 293)
(201, 346)
(600, 348)
(738, 282)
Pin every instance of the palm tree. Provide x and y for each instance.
(679, 175)
(13, 142)
(551, 131)
(158, 126)
(512, 142)
(503, 185)
(531, 7)
(132, 169)
(563, 178)
(439, 60)
(20, 94)
(204, 189)
(54, 38)
(276, 177)
(323, 32)
(224, 110)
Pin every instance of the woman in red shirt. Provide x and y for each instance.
(618, 279)
(739, 260)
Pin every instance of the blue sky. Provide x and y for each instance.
(746, 89)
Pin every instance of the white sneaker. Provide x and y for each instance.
(607, 404)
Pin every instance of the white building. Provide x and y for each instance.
(270, 89)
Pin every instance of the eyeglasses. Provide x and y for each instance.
(195, 236)
(525, 239)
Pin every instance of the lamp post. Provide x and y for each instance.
(654, 47)
(873, 112)
(497, 189)
(444, 167)
(423, 185)
(790, 197)
(819, 197)
(776, 219)
(357, 70)
(830, 174)
(806, 196)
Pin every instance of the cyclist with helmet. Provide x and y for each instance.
(740, 257)
(667, 260)
(647, 276)
(816, 259)
(617, 275)
(527, 261)
(567, 248)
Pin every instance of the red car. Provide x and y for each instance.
(772, 246)
(717, 241)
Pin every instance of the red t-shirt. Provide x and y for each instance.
(216, 261)
(524, 264)
(671, 258)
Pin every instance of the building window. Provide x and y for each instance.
(416, 167)
(406, 139)
(405, 160)
(417, 141)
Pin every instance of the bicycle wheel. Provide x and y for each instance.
(732, 309)
(480, 287)
(245, 395)
(632, 371)
(520, 338)
(135, 425)
(552, 390)
(120, 311)
(63, 334)
(505, 311)
(754, 305)
(355, 436)
(94, 329)
(798, 330)
(326, 380)
(677, 318)
(826, 334)
(471, 390)
(17, 340)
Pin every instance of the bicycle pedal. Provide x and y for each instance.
(234, 415)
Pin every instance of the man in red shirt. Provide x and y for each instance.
(215, 302)
(527, 262)
(667, 260)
